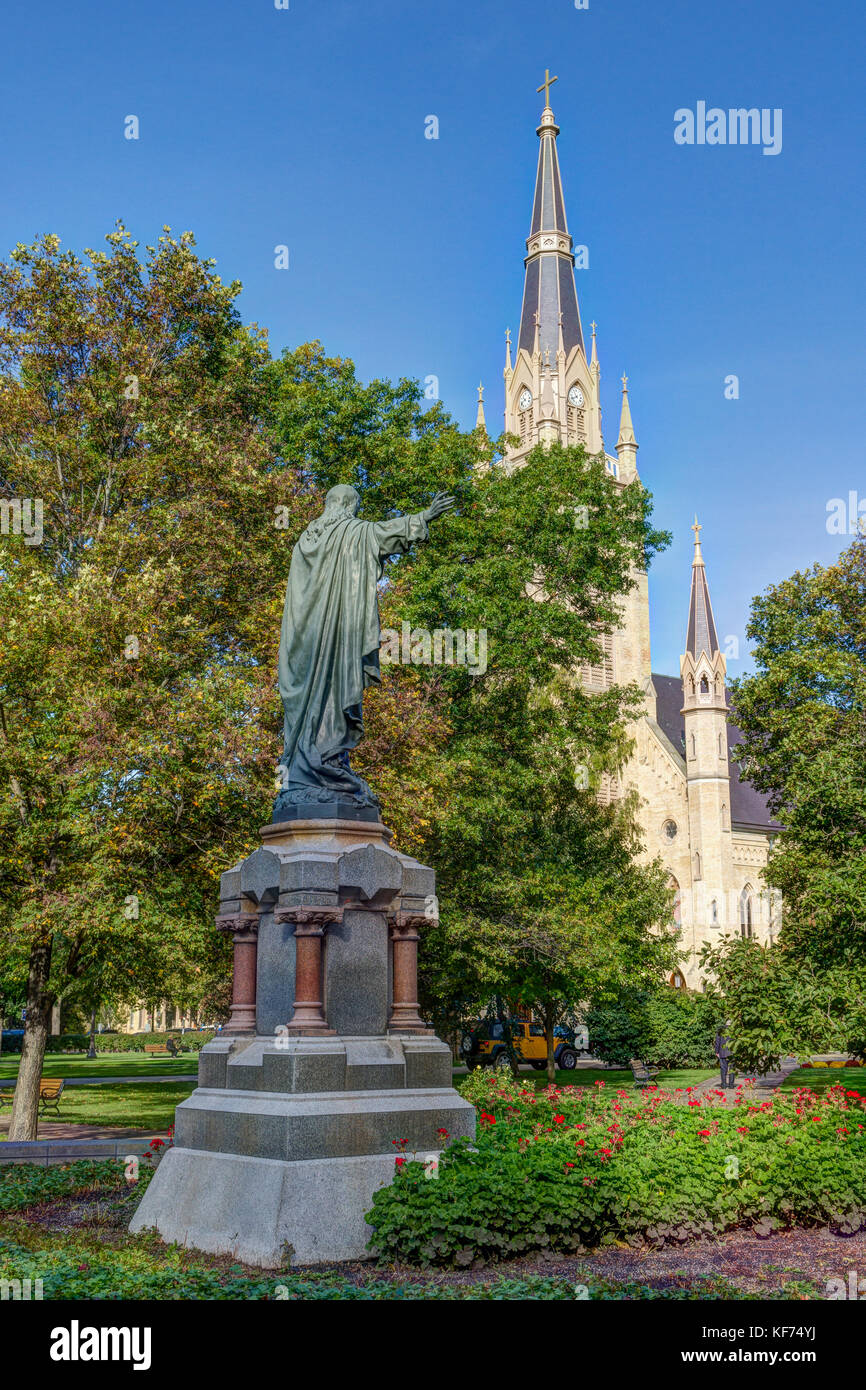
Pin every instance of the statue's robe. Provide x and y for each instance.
(329, 650)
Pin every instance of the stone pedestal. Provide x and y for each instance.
(279, 1150)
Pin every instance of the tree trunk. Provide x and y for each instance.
(25, 1107)
(549, 1023)
(91, 1042)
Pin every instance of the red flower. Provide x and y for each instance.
(581, 1141)
(157, 1143)
(741, 1129)
(399, 1161)
(559, 1119)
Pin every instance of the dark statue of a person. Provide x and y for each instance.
(329, 650)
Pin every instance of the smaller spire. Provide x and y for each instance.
(480, 422)
(701, 635)
(593, 362)
(626, 428)
(508, 349)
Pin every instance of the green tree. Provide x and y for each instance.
(138, 724)
(803, 718)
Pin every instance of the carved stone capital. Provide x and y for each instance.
(244, 926)
(310, 921)
(406, 925)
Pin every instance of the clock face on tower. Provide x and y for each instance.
(524, 400)
(575, 396)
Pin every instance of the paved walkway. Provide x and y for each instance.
(771, 1081)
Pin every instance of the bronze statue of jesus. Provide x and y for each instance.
(329, 649)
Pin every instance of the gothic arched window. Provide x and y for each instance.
(705, 686)
(746, 911)
(697, 865)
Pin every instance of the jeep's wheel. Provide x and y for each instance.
(472, 1063)
(502, 1060)
(539, 1066)
(567, 1059)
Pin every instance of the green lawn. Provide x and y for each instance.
(126, 1107)
(819, 1078)
(105, 1064)
(613, 1080)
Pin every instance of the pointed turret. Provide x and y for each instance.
(705, 720)
(480, 422)
(701, 635)
(626, 428)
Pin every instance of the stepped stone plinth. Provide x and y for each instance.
(325, 1062)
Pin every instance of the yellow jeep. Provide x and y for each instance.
(485, 1046)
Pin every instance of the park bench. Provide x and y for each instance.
(50, 1092)
(166, 1049)
(643, 1075)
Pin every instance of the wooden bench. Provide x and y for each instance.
(166, 1049)
(50, 1092)
(643, 1075)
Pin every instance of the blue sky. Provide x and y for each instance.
(305, 127)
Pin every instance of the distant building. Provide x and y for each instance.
(159, 1020)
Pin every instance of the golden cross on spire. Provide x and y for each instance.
(697, 529)
(593, 326)
(546, 85)
(625, 387)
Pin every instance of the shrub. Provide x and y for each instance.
(136, 1042)
(668, 1028)
(569, 1169)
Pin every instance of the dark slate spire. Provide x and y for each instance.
(702, 628)
(549, 290)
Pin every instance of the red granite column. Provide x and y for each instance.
(310, 925)
(405, 936)
(244, 927)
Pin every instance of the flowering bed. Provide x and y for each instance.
(570, 1168)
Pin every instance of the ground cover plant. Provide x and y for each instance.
(67, 1226)
(569, 1169)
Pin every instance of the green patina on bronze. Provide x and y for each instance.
(329, 646)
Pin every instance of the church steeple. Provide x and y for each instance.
(549, 288)
(551, 394)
